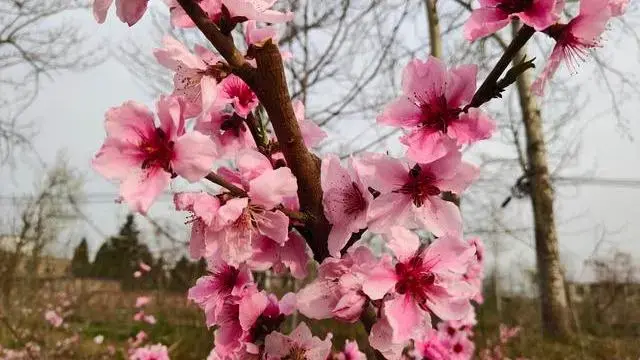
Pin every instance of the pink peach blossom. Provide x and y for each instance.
(236, 92)
(211, 291)
(179, 18)
(337, 290)
(144, 157)
(142, 301)
(196, 77)
(493, 15)
(144, 267)
(350, 352)
(247, 218)
(254, 35)
(293, 254)
(346, 202)
(432, 109)
(261, 313)
(475, 272)
(575, 39)
(204, 209)
(259, 10)
(431, 347)
(129, 11)
(424, 280)
(227, 130)
(149, 319)
(411, 195)
(151, 352)
(300, 344)
(53, 318)
(312, 134)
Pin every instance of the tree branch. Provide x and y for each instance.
(223, 43)
(219, 180)
(271, 89)
(269, 83)
(489, 87)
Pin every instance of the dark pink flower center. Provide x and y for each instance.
(226, 277)
(242, 92)
(574, 49)
(419, 186)
(266, 324)
(514, 6)
(234, 124)
(354, 200)
(415, 279)
(158, 151)
(437, 115)
(451, 331)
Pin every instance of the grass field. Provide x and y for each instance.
(180, 326)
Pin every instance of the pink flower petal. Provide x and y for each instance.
(440, 217)
(404, 243)
(484, 22)
(271, 187)
(100, 9)
(194, 156)
(130, 11)
(461, 85)
(472, 126)
(405, 317)
(139, 190)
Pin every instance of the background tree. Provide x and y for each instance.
(80, 266)
(36, 40)
(184, 274)
(37, 223)
(120, 256)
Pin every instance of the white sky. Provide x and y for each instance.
(69, 113)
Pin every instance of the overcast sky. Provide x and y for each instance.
(69, 115)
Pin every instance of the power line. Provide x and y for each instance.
(106, 198)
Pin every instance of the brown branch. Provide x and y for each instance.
(271, 89)
(219, 180)
(224, 44)
(269, 83)
(489, 87)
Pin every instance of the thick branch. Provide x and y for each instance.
(269, 83)
(271, 89)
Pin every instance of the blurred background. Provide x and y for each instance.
(66, 243)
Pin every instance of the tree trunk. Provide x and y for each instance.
(433, 22)
(555, 311)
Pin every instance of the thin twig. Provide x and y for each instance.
(488, 89)
(219, 180)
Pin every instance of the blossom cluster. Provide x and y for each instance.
(212, 127)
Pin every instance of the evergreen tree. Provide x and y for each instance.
(119, 257)
(80, 265)
(185, 273)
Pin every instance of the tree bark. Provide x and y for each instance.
(435, 39)
(555, 311)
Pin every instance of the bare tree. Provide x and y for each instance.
(36, 223)
(37, 38)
